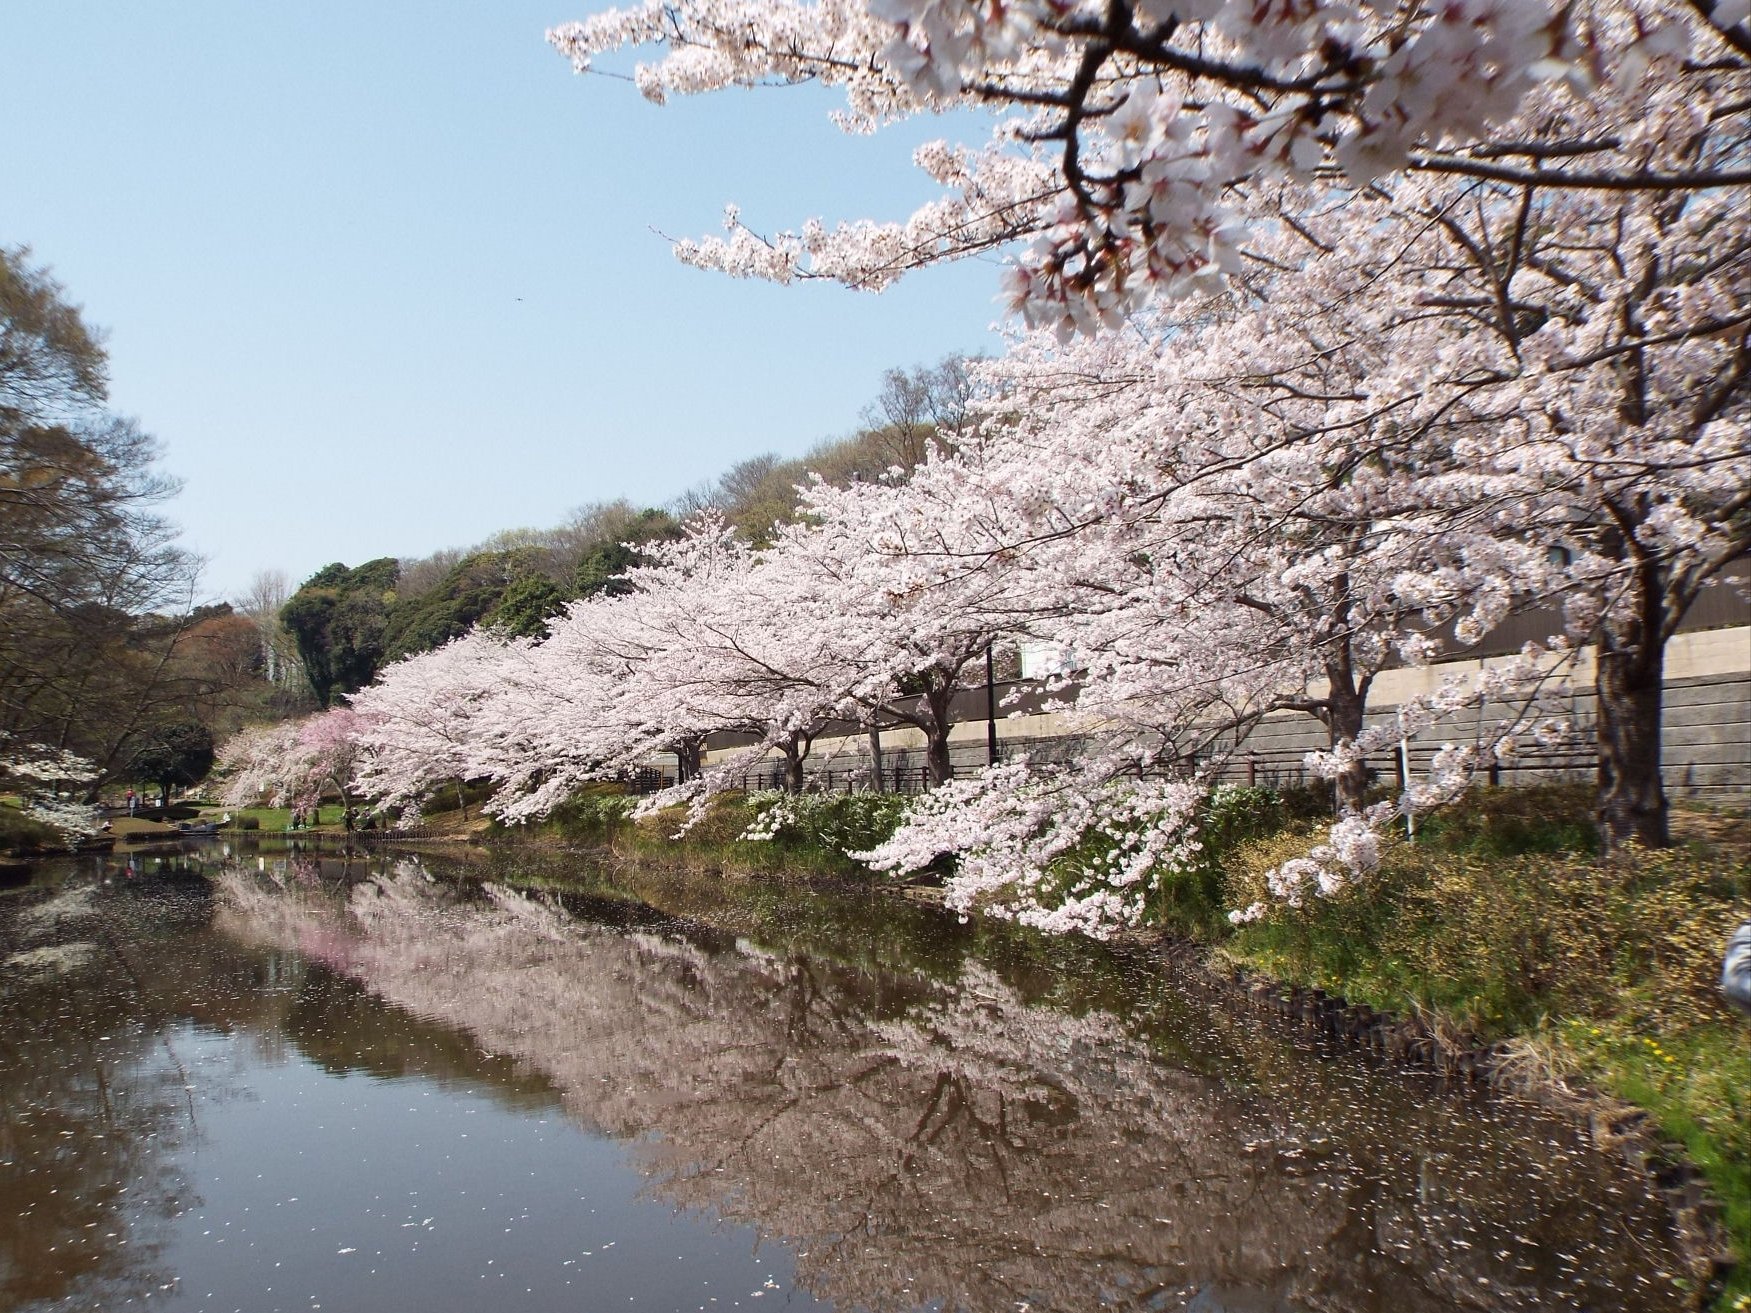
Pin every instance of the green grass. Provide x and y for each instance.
(1696, 1084)
(824, 829)
(270, 819)
(20, 832)
(1501, 920)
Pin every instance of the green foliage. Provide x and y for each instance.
(471, 588)
(1307, 802)
(175, 756)
(1505, 822)
(1193, 899)
(452, 797)
(503, 587)
(526, 606)
(338, 619)
(596, 814)
(1499, 942)
(20, 832)
(602, 565)
(333, 577)
(836, 823)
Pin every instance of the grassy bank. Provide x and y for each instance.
(273, 819)
(1501, 921)
(809, 834)
(21, 832)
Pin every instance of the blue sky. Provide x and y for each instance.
(383, 277)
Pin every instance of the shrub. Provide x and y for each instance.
(20, 832)
(1507, 822)
(1193, 899)
(595, 814)
(248, 823)
(1501, 941)
(839, 823)
(447, 797)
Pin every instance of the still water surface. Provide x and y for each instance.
(265, 1080)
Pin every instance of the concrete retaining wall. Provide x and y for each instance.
(1707, 741)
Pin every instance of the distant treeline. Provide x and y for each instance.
(349, 622)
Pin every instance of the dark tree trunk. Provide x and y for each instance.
(1343, 721)
(794, 756)
(936, 757)
(1629, 684)
(687, 760)
(877, 773)
(933, 719)
(990, 707)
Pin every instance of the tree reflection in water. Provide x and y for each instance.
(96, 1110)
(951, 1143)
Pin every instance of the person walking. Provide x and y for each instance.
(133, 801)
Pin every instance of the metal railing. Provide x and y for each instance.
(1271, 767)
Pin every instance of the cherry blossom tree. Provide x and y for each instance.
(1479, 342)
(253, 764)
(1609, 389)
(909, 617)
(294, 763)
(41, 773)
(419, 722)
(1128, 134)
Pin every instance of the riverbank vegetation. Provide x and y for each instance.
(21, 832)
(1502, 926)
(1499, 925)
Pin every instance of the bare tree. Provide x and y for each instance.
(267, 594)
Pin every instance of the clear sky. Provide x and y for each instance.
(383, 277)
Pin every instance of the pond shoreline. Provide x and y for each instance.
(1425, 1043)
(1614, 1126)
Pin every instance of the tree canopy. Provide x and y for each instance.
(95, 595)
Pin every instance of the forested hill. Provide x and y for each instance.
(346, 623)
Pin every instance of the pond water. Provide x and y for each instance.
(265, 1080)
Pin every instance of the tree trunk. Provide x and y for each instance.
(1343, 722)
(1629, 684)
(877, 774)
(687, 759)
(794, 754)
(935, 700)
